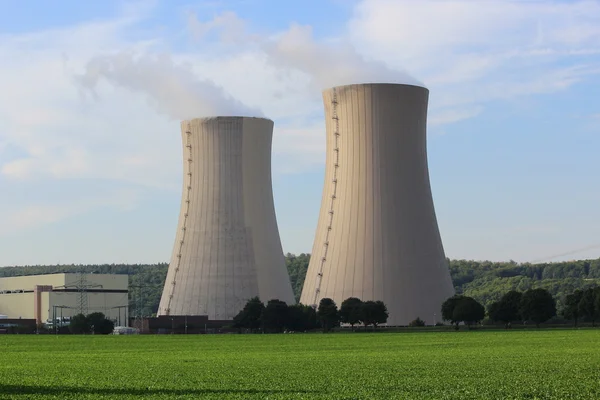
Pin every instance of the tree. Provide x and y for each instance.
(275, 316)
(597, 303)
(250, 316)
(537, 305)
(469, 311)
(448, 307)
(587, 305)
(98, 323)
(328, 314)
(79, 324)
(571, 306)
(350, 311)
(373, 313)
(302, 318)
(507, 308)
(94, 322)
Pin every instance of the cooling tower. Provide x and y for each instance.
(227, 248)
(377, 236)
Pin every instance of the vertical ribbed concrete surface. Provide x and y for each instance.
(227, 248)
(377, 236)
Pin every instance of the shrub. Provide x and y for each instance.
(416, 322)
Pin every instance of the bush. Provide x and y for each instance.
(416, 322)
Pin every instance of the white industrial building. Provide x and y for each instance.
(46, 297)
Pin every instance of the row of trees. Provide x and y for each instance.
(485, 281)
(583, 304)
(92, 323)
(536, 305)
(539, 306)
(276, 316)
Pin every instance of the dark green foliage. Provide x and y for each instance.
(448, 307)
(95, 323)
(597, 304)
(487, 281)
(507, 308)
(79, 324)
(297, 267)
(350, 311)
(328, 315)
(460, 308)
(469, 311)
(587, 307)
(416, 322)
(99, 324)
(302, 318)
(373, 313)
(537, 305)
(275, 316)
(250, 316)
(571, 306)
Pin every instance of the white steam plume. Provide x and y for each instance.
(330, 63)
(173, 89)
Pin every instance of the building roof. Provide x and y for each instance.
(66, 280)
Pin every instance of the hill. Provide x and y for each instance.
(486, 281)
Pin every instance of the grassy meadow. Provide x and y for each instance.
(544, 364)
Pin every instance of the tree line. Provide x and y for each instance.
(276, 316)
(485, 281)
(534, 305)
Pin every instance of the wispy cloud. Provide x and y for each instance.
(24, 217)
(468, 53)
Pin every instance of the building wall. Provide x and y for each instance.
(28, 282)
(17, 305)
(227, 247)
(377, 236)
(111, 293)
(106, 281)
(105, 303)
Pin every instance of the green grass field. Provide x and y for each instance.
(546, 364)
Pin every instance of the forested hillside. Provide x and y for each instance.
(485, 281)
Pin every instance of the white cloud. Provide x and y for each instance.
(24, 217)
(468, 53)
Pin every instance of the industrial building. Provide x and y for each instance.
(227, 246)
(377, 236)
(52, 296)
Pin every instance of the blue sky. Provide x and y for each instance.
(92, 92)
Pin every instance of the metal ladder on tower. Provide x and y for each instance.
(188, 146)
(334, 181)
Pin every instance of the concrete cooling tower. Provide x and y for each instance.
(227, 248)
(377, 235)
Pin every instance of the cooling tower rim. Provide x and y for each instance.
(376, 84)
(231, 117)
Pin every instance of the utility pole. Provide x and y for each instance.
(82, 286)
(137, 300)
(54, 315)
(124, 314)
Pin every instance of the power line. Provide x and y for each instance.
(568, 253)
